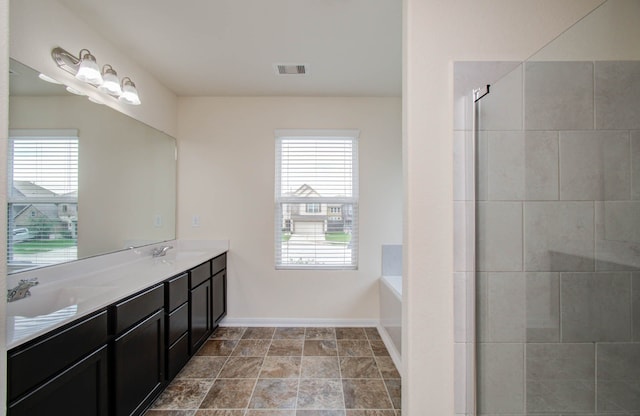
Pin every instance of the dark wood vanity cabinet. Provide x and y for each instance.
(116, 361)
(71, 363)
(138, 351)
(219, 289)
(177, 318)
(201, 323)
(207, 299)
(80, 390)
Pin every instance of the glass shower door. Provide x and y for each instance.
(558, 228)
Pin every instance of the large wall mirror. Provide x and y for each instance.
(84, 179)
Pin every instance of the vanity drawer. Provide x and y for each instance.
(177, 356)
(177, 323)
(218, 264)
(177, 291)
(30, 366)
(200, 273)
(138, 307)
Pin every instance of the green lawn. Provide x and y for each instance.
(40, 246)
(337, 237)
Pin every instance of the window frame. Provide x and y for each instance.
(281, 200)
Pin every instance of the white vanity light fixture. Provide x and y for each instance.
(88, 70)
(85, 68)
(95, 100)
(129, 92)
(110, 82)
(74, 91)
(48, 79)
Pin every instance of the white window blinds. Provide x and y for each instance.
(316, 199)
(42, 197)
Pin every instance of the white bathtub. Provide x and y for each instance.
(391, 315)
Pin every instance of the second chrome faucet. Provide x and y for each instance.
(160, 251)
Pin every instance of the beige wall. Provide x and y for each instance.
(37, 26)
(226, 162)
(435, 34)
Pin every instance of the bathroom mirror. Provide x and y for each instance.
(84, 179)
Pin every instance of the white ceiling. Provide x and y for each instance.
(228, 47)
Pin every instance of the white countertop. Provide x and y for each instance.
(70, 291)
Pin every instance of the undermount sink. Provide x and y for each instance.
(171, 258)
(44, 301)
(185, 255)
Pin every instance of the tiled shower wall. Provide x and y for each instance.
(558, 253)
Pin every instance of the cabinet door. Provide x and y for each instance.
(219, 286)
(177, 356)
(29, 366)
(139, 366)
(201, 324)
(80, 390)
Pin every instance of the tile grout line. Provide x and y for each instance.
(228, 357)
(338, 356)
(304, 337)
(246, 410)
(382, 378)
(344, 402)
(214, 378)
(375, 358)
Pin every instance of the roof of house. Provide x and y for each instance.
(30, 189)
(304, 191)
(47, 210)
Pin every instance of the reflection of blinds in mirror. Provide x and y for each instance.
(42, 198)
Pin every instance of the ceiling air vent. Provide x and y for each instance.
(291, 69)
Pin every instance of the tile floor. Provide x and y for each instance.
(286, 372)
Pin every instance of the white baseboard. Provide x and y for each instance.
(391, 347)
(289, 322)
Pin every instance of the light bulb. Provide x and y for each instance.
(74, 91)
(89, 71)
(110, 82)
(95, 100)
(129, 92)
(48, 79)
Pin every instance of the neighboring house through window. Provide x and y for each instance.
(42, 197)
(316, 199)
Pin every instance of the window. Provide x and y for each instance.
(42, 198)
(313, 208)
(316, 175)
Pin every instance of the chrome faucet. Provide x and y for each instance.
(160, 251)
(22, 290)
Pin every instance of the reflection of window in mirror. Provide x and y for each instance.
(42, 198)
